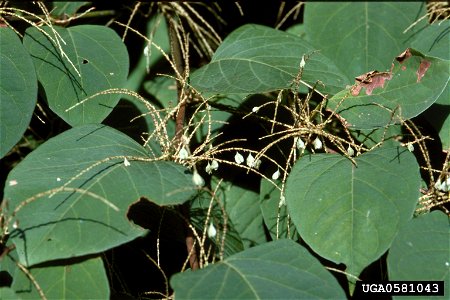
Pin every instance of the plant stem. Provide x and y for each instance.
(177, 57)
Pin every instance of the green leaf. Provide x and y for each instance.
(232, 242)
(438, 115)
(412, 85)
(350, 214)
(84, 279)
(269, 197)
(433, 39)
(280, 269)
(158, 32)
(91, 159)
(61, 8)
(18, 89)
(421, 251)
(8, 293)
(371, 137)
(242, 207)
(98, 61)
(361, 36)
(251, 60)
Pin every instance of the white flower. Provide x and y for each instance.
(183, 154)
(12, 182)
(410, 147)
(213, 166)
(443, 186)
(126, 163)
(197, 179)
(317, 144)
(302, 62)
(350, 151)
(211, 230)
(146, 51)
(255, 109)
(238, 158)
(276, 175)
(300, 144)
(251, 162)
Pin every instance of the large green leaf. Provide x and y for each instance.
(227, 245)
(255, 59)
(350, 214)
(275, 270)
(412, 85)
(421, 251)
(269, 197)
(85, 279)
(361, 36)
(242, 207)
(65, 8)
(434, 40)
(95, 60)
(73, 222)
(18, 89)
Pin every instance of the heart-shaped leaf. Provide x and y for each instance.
(275, 270)
(413, 83)
(421, 250)
(256, 59)
(361, 36)
(18, 89)
(79, 186)
(76, 64)
(350, 214)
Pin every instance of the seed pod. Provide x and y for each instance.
(197, 179)
(317, 144)
(238, 158)
(276, 175)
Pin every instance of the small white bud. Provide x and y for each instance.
(276, 175)
(197, 179)
(238, 158)
(350, 151)
(302, 62)
(437, 184)
(317, 144)
(211, 231)
(251, 162)
(256, 164)
(15, 224)
(12, 182)
(443, 186)
(282, 201)
(300, 144)
(447, 184)
(146, 51)
(213, 166)
(125, 162)
(183, 154)
(410, 147)
(58, 179)
(255, 109)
